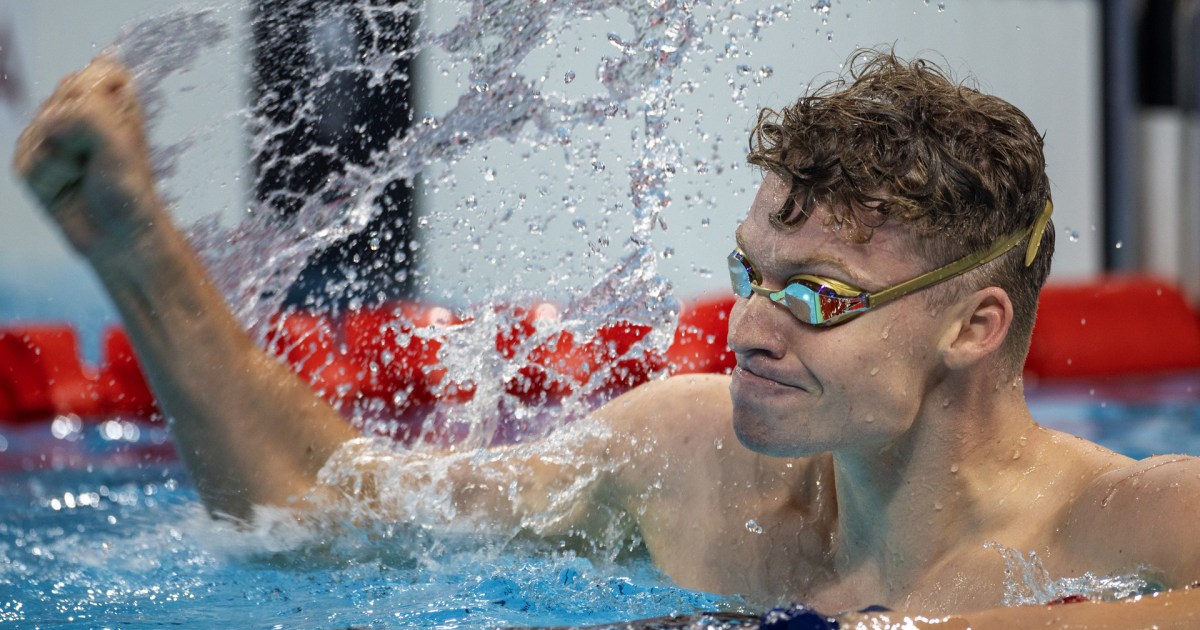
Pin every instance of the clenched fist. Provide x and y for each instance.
(86, 159)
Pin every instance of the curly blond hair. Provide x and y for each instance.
(900, 140)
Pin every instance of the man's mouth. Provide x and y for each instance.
(764, 376)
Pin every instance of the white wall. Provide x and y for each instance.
(1169, 196)
(41, 278)
(1043, 56)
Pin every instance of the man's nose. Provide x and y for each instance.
(756, 326)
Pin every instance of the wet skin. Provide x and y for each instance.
(874, 458)
(801, 390)
(898, 447)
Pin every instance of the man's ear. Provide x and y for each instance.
(979, 328)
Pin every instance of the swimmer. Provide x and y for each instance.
(875, 428)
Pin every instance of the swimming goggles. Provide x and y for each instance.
(820, 301)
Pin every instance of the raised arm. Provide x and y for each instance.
(249, 431)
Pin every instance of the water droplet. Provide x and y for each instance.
(941, 7)
(753, 527)
(1016, 454)
(569, 76)
(489, 174)
(937, 505)
(1083, 321)
(1118, 245)
(719, 443)
(886, 332)
(954, 468)
(66, 427)
(1072, 235)
(874, 371)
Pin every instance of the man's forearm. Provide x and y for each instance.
(250, 431)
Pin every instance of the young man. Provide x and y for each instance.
(871, 442)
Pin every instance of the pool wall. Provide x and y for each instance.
(1040, 55)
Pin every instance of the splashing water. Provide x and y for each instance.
(492, 44)
(1027, 582)
(504, 105)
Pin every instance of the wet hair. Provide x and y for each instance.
(897, 140)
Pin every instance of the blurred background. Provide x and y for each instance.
(1113, 85)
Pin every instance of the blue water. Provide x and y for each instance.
(1138, 415)
(103, 529)
(103, 532)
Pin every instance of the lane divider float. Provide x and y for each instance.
(388, 359)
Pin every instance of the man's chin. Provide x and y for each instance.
(762, 439)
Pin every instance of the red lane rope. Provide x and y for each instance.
(1113, 326)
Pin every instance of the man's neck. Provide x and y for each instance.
(904, 507)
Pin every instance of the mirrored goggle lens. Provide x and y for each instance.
(816, 303)
(739, 275)
(808, 300)
(802, 301)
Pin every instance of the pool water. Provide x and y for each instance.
(102, 532)
(103, 529)
(1138, 415)
(101, 526)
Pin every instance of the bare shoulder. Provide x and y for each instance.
(698, 494)
(1143, 513)
(673, 412)
(675, 435)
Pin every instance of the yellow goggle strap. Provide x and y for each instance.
(963, 265)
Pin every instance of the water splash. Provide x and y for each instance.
(484, 348)
(157, 49)
(502, 102)
(369, 481)
(161, 559)
(1027, 582)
